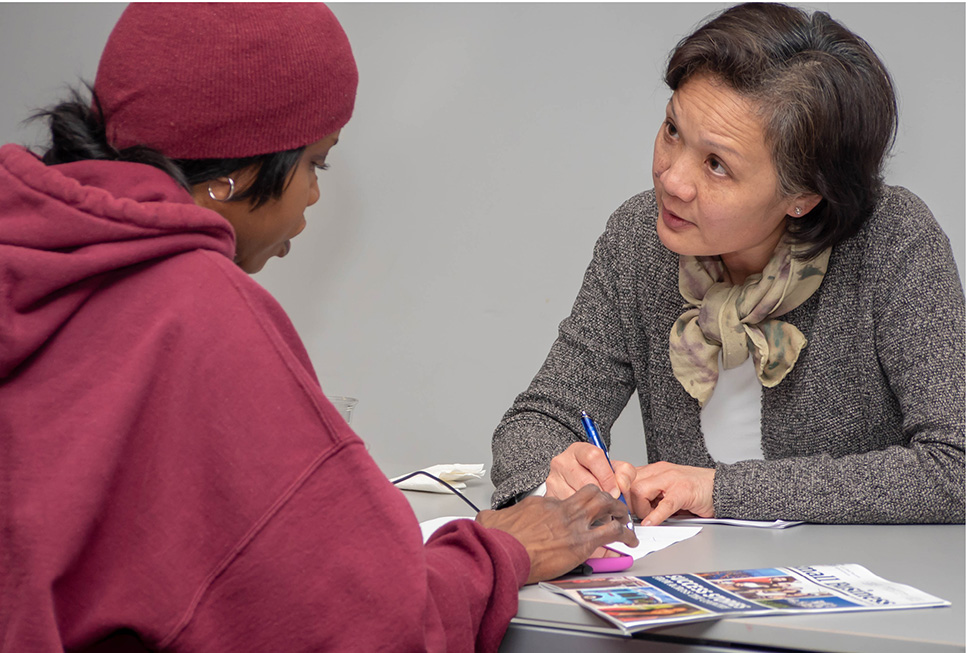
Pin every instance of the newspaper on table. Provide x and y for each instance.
(636, 603)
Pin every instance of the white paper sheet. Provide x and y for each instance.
(748, 523)
(652, 538)
(655, 538)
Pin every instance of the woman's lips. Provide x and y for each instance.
(673, 222)
(287, 245)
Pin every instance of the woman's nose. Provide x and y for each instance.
(314, 193)
(676, 179)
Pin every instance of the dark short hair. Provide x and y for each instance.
(77, 133)
(272, 173)
(828, 106)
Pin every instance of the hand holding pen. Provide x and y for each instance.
(594, 437)
(660, 489)
(582, 463)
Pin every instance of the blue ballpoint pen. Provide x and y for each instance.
(595, 440)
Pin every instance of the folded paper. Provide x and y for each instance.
(453, 473)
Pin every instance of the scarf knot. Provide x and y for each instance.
(738, 321)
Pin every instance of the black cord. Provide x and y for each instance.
(436, 478)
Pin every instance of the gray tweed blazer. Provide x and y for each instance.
(867, 428)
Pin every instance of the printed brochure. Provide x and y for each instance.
(639, 602)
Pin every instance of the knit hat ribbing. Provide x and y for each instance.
(225, 80)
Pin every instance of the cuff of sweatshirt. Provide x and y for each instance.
(493, 540)
(515, 551)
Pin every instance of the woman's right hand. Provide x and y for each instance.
(582, 463)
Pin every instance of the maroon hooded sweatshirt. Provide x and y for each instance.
(171, 475)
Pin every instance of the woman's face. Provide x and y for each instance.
(715, 181)
(267, 231)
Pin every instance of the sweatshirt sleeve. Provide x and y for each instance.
(326, 554)
(341, 566)
(463, 545)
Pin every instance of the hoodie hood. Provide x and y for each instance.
(65, 228)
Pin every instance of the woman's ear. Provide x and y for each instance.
(217, 190)
(803, 204)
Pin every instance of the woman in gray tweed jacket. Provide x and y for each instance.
(793, 327)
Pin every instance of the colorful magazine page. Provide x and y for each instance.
(635, 603)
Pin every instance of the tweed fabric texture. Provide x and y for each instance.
(867, 428)
(225, 80)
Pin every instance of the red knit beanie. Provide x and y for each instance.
(225, 80)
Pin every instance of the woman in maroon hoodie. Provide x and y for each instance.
(172, 475)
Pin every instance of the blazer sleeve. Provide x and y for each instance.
(588, 368)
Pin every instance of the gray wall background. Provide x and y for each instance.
(489, 145)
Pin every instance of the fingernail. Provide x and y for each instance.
(616, 492)
(646, 522)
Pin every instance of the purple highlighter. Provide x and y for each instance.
(606, 565)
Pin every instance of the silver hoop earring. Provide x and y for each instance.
(231, 191)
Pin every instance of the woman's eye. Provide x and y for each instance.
(670, 129)
(321, 166)
(716, 166)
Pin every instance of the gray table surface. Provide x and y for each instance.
(930, 558)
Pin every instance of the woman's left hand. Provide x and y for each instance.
(662, 489)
